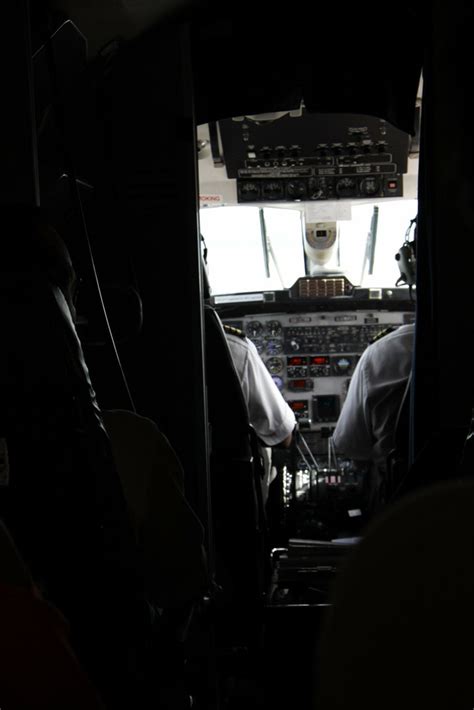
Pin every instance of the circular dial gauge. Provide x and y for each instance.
(274, 347)
(370, 186)
(274, 365)
(274, 327)
(260, 345)
(278, 381)
(254, 328)
(342, 364)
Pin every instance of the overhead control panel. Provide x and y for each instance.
(314, 157)
(311, 356)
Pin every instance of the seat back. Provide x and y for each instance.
(60, 495)
(237, 505)
(402, 618)
(397, 466)
(12, 568)
(37, 665)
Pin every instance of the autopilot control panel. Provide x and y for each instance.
(314, 157)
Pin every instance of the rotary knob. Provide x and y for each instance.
(296, 189)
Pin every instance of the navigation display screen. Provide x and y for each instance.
(326, 408)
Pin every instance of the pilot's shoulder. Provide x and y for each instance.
(234, 331)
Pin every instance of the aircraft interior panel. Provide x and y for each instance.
(311, 356)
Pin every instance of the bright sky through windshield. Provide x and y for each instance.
(236, 256)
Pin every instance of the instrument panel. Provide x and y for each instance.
(341, 156)
(311, 357)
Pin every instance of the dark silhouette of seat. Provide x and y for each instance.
(237, 506)
(400, 630)
(61, 498)
(13, 570)
(37, 666)
(397, 468)
(404, 476)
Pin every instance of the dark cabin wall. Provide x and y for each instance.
(443, 393)
(131, 136)
(337, 57)
(150, 186)
(19, 177)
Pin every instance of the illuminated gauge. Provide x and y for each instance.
(274, 365)
(274, 347)
(259, 344)
(254, 328)
(278, 381)
(274, 327)
(342, 365)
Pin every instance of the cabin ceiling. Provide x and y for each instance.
(334, 58)
(102, 20)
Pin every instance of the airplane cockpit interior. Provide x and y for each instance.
(311, 275)
(305, 223)
(236, 437)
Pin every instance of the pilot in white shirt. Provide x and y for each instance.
(366, 426)
(269, 414)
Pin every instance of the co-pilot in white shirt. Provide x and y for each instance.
(365, 428)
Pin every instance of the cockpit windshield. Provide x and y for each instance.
(252, 248)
